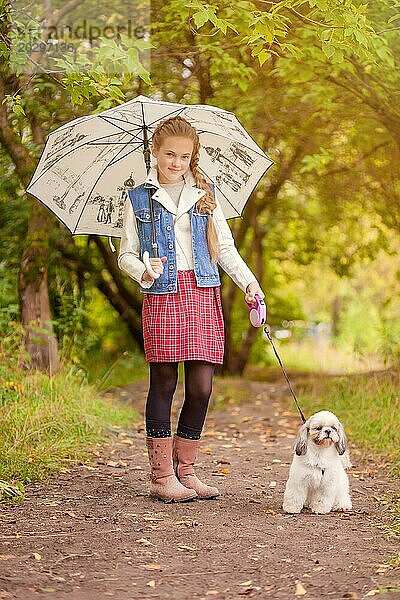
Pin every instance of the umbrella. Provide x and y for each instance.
(89, 164)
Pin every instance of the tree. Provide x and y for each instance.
(309, 58)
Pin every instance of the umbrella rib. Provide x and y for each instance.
(121, 128)
(175, 112)
(115, 160)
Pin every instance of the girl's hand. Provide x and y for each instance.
(252, 289)
(157, 264)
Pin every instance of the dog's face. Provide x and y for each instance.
(322, 429)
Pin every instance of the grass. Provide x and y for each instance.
(47, 423)
(107, 371)
(322, 356)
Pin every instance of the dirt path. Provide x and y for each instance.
(93, 533)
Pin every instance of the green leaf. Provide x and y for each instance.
(143, 44)
(263, 56)
(125, 39)
(394, 18)
(328, 50)
(200, 18)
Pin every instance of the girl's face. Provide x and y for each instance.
(173, 158)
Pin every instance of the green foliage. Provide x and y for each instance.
(48, 423)
(341, 30)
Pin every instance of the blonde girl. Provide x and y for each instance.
(182, 312)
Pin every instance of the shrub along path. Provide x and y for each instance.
(93, 533)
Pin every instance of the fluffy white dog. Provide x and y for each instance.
(317, 476)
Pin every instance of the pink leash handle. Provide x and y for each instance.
(258, 313)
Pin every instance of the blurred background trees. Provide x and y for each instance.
(316, 84)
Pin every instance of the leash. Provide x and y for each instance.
(268, 332)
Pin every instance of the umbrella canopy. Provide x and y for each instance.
(88, 165)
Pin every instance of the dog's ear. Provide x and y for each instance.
(301, 443)
(341, 444)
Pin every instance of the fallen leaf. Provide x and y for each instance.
(151, 583)
(300, 590)
(272, 484)
(37, 556)
(144, 542)
(212, 593)
(152, 567)
(372, 593)
(249, 582)
(224, 471)
(186, 549)
(187, 522)
(112, 463)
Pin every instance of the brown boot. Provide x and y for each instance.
(184, 456)
(164, 484)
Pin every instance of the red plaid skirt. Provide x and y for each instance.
(186, 325)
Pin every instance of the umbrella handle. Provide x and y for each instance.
(146, 260)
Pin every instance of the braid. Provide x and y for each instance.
(180, 127)
(207, 203)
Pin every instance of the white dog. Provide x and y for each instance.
(317, 476)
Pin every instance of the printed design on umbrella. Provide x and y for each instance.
(229, 171)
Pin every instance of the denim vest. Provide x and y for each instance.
(206, 272)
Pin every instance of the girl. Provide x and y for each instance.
(182, 312)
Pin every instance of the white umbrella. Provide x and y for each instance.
(88, 164)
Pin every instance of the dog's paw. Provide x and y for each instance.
(291, 509)
(320, 508)
(343, 507)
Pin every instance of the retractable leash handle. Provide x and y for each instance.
(258, 313)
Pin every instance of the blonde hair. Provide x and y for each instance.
(179, 127)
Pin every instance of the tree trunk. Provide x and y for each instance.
(40, 341)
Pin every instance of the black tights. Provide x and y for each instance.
(198, 387)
